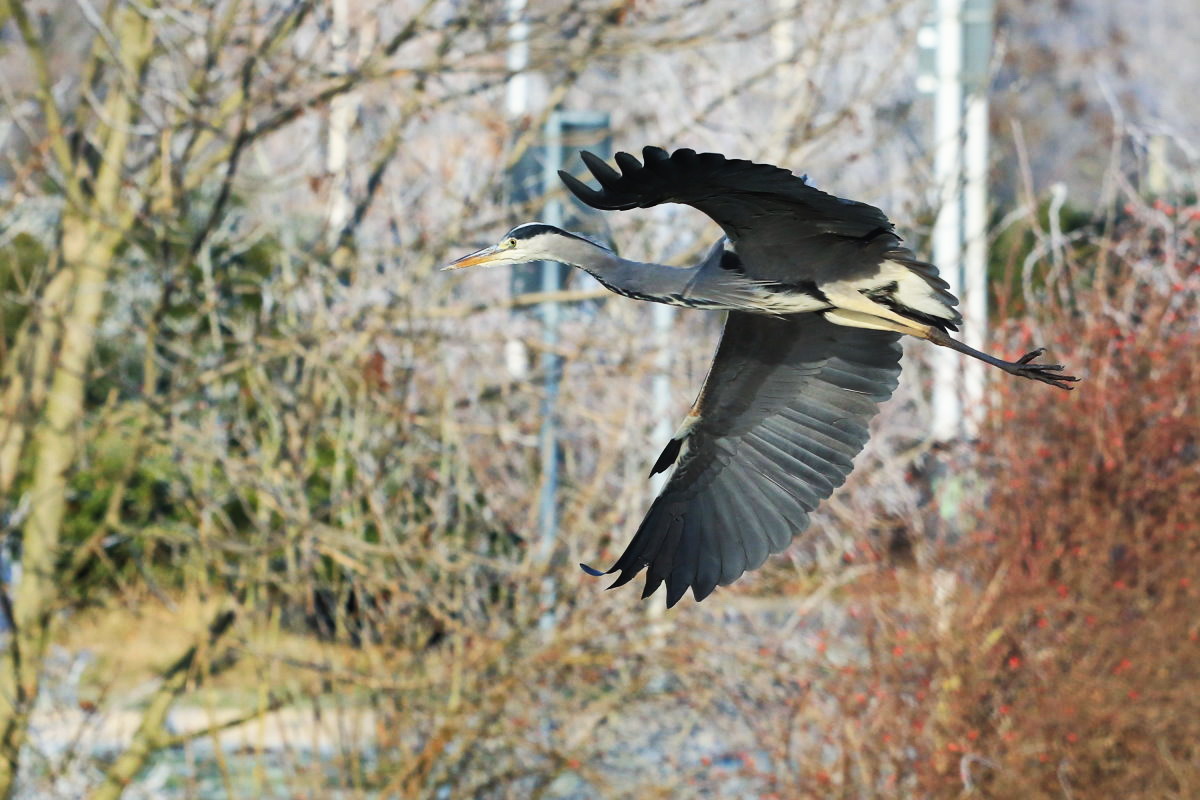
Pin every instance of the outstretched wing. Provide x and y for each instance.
(782, 228)
(782, 414)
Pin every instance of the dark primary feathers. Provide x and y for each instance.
(781, 227)
(781, 416)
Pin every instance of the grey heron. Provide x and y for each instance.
(818, 292)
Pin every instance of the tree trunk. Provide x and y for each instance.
(91, 233)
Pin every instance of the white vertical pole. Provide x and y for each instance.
(551, 370)
(341, 117)
(783, 43)
(516, 104)
(975, 262)
(1157, 165)
(947, 230)
(551, 361)
(516, 94)
(977, 52)
(789, 77)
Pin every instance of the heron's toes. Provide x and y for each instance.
(1031, 355)
(1046, 373)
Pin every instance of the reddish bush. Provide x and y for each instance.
(1066, 660)
(1084, 624)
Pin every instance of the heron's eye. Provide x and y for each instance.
(509, 244)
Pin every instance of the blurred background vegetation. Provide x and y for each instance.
(268, 481)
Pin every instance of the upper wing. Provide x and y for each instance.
(781, 227)
(782, 414)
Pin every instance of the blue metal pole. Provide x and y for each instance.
(551, 361)
(551, 369)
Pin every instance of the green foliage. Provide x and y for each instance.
(20, 260)
(119, 460)
(1013, 247)
(238, 277)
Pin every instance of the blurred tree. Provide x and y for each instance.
(142, 162)
(232, 380)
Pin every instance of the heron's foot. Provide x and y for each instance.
(1046, 373)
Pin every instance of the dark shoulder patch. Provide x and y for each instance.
(731, 262)
(668, 456)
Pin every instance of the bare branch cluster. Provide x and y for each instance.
(272, 472)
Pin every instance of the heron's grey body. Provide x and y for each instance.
(819, 291)
(721, 280)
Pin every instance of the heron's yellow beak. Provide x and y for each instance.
(475, 259)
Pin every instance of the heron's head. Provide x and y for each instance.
(533, 241)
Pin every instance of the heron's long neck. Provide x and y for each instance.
(641, 281)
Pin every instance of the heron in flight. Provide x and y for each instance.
(819, 291)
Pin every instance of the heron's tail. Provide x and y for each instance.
(922, 294)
